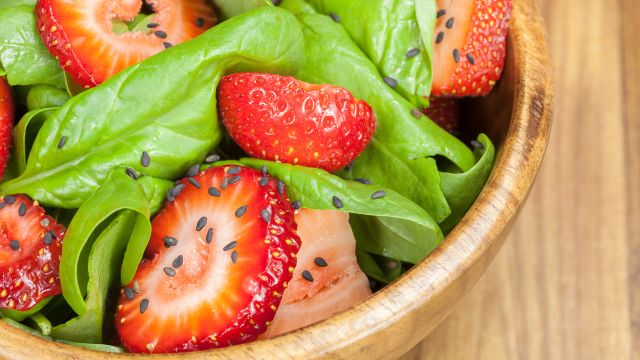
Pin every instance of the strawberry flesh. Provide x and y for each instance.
(7, 113)
(444, 111)
(195, 294)
(469, 46)
(30, 248)
(280, 118)
(80, 33)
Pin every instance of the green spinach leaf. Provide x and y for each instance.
(45, 96)
(227, 9)
(165, 105)
(24, 133)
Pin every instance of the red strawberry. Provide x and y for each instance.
(7, 112)
(470, 43)
(30, 248)
(444, 111)
(280, 118)
(80, 33)
(219, 259)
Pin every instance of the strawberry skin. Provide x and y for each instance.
(280, 118)
(30, 248)
(444, 111)
(469, 46)
(7, 113)
(219, 259)
(80, 33)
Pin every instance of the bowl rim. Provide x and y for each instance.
(464, 255)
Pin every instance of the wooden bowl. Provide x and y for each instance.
(517, 116)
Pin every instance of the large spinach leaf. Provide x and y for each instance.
(386, 30)
(165, 105)
(23, 56)
(229, 8)
(391, 226)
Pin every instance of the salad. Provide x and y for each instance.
(185, 175)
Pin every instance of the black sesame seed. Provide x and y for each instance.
(214, 191)
(230, 246)
(390, 81)
(234, 170)
(472, 61)
(170, 197)
(363, 181)
(193, 170)
(280, 187)
(241, 210)
(378, 194)
(276, 2)
(144, 304)
(176, 190)
(152, 25)
(234, 256)
(441, 13)
(320, 262)
(264, 181)
(171, 272)
(202, 222)
(337, 202)
(449, 23)
(209, 235)
(234, 179)
(412, 52)
(307, 275)
(10, 199)
(296, 205)
(167, 44)
(477, 145)
(265, 215)
(212, 158)
(48, 237)
(15, 244)
(416, 113)
(439, 37)
(456, 55)
(161, 34)
(132, 173)
(335, 17)
(225, 183)
(177, 262)
(194, 182)
(63, 140)
(128, 292)
(169, 241)
(199, 22)
(145, 160)
(22, 209)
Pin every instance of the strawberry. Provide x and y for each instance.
(7, 113)
(220, 256)
(469, 46)
(280, 118)
(30, 248)
(444, 111)
(81, 33)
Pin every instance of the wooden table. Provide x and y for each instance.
(566, 285)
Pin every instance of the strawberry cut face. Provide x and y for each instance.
(215, 267)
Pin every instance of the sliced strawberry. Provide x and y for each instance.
(469, 46)
(327, 279)
(30, 248)
(444, 111)
(280, 118)
(81, 33)
(7, 113)
(220, 256)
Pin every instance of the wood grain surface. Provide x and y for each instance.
(566, 285)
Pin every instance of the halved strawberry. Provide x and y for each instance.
(7, 113)
(220, 256)
(81, 33)
(281, 118)
(30, 248)
(469, 46)
(444, 111)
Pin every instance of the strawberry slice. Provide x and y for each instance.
(7, 113)
(280, 118)
(219, 259)
(30, 248)
(469, 46)
(81, 33)
(444, 111)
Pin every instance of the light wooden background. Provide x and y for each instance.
(566, 285)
